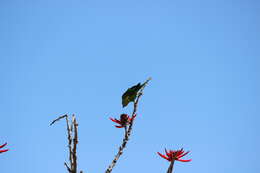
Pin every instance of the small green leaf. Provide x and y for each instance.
(130, 94)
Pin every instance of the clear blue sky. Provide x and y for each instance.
(60, 56)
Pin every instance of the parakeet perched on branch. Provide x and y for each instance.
(130, 94)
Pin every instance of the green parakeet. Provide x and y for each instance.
(130, 94)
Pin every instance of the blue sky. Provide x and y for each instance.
(78, 56)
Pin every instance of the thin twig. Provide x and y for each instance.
(75, 142)
(57, 119)
(170, 169)
(69, 130)
(127, 131)
(67, 167)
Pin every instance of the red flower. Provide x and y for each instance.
(174, 155)
(124, 120)
(1, 146)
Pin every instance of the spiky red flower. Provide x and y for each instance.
(174, 155)
(1, 146)
(124, 120)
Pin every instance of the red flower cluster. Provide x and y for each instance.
(124, 120)
(1, 146)
(174, 155)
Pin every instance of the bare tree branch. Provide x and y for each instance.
(75, 142)
(72, 136)
(69, 130)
